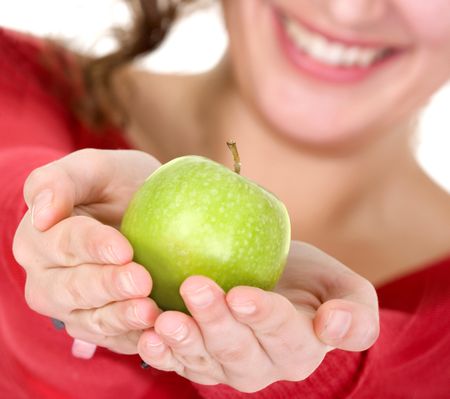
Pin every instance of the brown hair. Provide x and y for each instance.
(86, 87)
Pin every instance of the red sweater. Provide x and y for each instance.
(411, 359)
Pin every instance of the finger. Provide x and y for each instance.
(231, 343)
(55, 292)
(157, 354)
(182, 335)
(84, 177)
(286, 334)
(117, 318)
(125, 344)
(72, 242)
(347, 325)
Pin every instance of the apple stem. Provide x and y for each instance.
(237, 160)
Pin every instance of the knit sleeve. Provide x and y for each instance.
(336, 377)
(33, 131)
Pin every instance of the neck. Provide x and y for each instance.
(369, 206)
(319, 186)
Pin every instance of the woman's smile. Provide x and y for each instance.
(362, 66)
(324, 56)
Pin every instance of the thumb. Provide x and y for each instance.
(348, 316)
(53, 190)
(347, 325)
(86, 177)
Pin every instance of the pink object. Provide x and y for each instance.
(83, 349)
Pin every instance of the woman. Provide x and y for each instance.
(322, 99)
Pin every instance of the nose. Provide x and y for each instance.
(354, 13)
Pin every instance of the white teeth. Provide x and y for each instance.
(351, 56)
(318, 47)
(336, 54)
(368, 57)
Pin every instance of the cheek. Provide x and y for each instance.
(428, 20)
(429, 24)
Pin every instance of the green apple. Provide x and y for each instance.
(194, 216)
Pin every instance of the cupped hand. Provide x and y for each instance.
(78, 266)
(249, 338)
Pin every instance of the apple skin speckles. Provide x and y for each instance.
(195, 216)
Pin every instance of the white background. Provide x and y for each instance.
(195, 45)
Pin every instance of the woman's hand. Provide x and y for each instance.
(79, 268)
(250, 338)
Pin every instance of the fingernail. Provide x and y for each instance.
(83, 349)
(154, 344)
(128, 285)
(178, 333)
(42, 202)
(200, 297)
(246, 308)
(337, 325)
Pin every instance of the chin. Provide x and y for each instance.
(319, 139)
(309, 129)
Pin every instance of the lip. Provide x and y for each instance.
(334, 74)
(347, 41)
